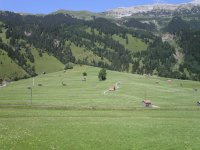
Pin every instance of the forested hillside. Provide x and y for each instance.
(64, 37)
(187, 35)
(38, 44)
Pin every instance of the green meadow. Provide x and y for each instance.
(134, 44)
(14, 69)
(84, 115)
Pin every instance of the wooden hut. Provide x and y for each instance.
(112, 88)
(147, 103)
(169, 81)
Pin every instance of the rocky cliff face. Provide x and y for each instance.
(155, 9)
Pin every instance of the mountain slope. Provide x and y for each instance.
(50, 34)
(85, 15)
(99, 42)
(131, 43)
(46, 63)
(9, 70)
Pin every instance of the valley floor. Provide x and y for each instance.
(69, 113)
(93, 129)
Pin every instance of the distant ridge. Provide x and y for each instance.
(83, 14)
(129, 11)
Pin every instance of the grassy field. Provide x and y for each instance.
(81, 116)
(89, 130)
(134, 44)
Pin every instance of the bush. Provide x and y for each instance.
(69, 66)
(84, 74)
(102, 75)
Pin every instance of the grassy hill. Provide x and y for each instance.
(9, 69)
(81, 115)
(46, 63)
(133, 89)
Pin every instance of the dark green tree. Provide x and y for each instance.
(102, 74)
(84, 74)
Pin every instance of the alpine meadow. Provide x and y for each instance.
(122, 79)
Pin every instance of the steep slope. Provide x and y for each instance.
(10, 67)
(46, 63)
(9, 70)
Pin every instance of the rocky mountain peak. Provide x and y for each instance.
(129, 11)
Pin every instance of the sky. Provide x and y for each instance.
(48, 6)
